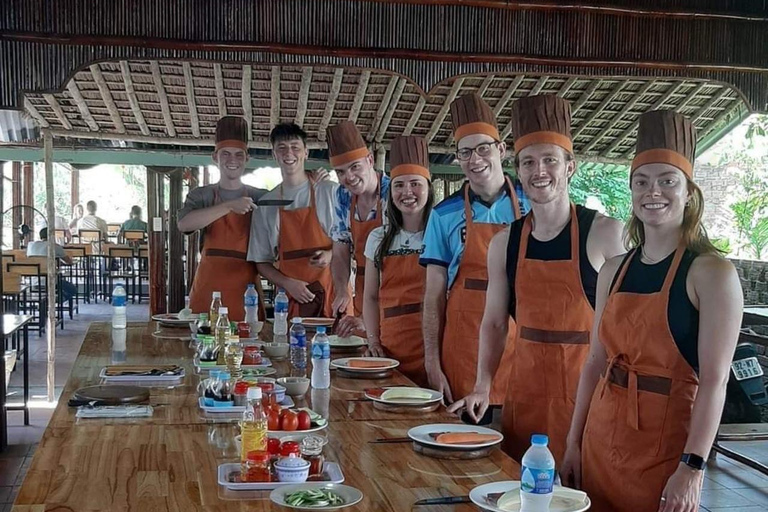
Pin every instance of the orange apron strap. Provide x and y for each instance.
(468, 207)
(513, 198)
(623, 272)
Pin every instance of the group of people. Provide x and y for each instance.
(93, 222)
(613, 340)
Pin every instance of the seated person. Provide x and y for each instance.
(134, 223)
(39, 248)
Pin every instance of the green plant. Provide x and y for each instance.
(723, 243)
(607, 182)
(757, 237)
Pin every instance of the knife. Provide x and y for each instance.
(445, 500)
(274, 202)
(391, 440)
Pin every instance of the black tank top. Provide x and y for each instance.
(559, 248)
(682, 316)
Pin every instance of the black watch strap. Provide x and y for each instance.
(693, 461)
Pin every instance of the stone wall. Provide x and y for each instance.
(719, 186)
(754, 280)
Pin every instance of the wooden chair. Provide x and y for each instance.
(113, 231)
(81, 272)
(143, 271)
(34, 273)
(120, 265)
(60, 235)
(134, 237)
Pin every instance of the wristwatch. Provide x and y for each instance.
(693, 461)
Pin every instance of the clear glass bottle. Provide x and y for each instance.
(222, 328)
(233, 355)
(253, 427)
(214, 309)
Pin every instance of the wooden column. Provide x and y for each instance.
(206, 176)
(157, 282)
(193, 239)
(175, 244)
(28, 193)
(74, 186)
(16, 199)
(50, 325)
(381, 158)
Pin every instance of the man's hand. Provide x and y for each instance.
(341, 302)
(321, 259)
(439, 382)
(318, 175)
(299, 291)
(476, 403)
(241, 205)
(375, 349)
(348, 325)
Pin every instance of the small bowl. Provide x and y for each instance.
(294, 470)
(294, 386)
(276, 350)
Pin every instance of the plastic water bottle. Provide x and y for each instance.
(251, 302)
(321, 360)
(253, 428)
(537, 476)
(213, 311)
(281, 312)
(222, 327)
(119, 320)
(298, 344)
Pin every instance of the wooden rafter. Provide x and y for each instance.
(189, 86)
(383, 106)
(415, 115)
(539, 85)
(598, 110)
(106, 96)
(246, 98)
(362, 87)
(221, 98)
(722, 117)
(567, 86)
(391, 110)
(673, 89)
(691, 96)
(617, 118)
(306, 83)
(274, 112)
(441, 115)
(584, 98)
(711, 103)
(164, 106)
(35, 113)
(54, 103)
(132, 98)
(338, 77)
(82, 106)
(508, 95)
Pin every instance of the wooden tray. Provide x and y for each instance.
(384, 374)
(401, 408)
(113, 394)
(447, 453)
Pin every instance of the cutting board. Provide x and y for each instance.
(113, 394)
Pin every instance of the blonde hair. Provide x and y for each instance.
(693, 235)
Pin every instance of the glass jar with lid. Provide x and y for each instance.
(312, 452)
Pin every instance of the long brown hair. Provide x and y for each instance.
(395, 222)
(693, 235)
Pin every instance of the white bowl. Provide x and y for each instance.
(293, 470)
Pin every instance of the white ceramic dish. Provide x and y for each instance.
(331, 472)
(141, 378)
(561, 502)
(436, 396)
(286, 403)
(173, 319)
(350, 495)
(343, 363)
(421, 435)
(348, 342)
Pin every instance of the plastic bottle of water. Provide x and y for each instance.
(222, 328)
(537, 476)
(281, 313)
(119, 320)
(185, 313)
(251, 302)
(321, 360)
(298, 344)
(253, 428)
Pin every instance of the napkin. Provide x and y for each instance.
(114, 411)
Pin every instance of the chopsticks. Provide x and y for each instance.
(384, 440)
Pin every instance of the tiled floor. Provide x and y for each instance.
(728, 485)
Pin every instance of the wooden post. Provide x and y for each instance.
(50, 327)
(175, 244)
(206, 176)
(193, 239)
(157, 285)
(16, 199)
(381, 158)
(74, 187)
(28, 170)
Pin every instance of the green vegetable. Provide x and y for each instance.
(314, 498)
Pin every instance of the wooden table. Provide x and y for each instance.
(13, 325)
(170, 461)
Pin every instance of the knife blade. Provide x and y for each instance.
(445, 500)
(391, 440)
(274, 202)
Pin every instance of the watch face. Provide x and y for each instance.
(693, 460)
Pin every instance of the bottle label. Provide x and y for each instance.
(118, 300)
(250, 300)
(281, 307)
(326, 350)
(537, 481)
(321, 351)
(299, 340)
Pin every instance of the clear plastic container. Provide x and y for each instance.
(281, 313)
(298, 348)
(251, 303)
(321, 360)
(119, 319)
(537, 476)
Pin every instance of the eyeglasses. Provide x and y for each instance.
(482, 150)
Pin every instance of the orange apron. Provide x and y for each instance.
(640, 413)
(360, 230)
(301, 235)
(400, 298)
(464, 311)
(554, 319)
(225, 247)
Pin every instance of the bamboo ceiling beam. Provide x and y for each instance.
(383, 106)
(306, 83)
(617, 118)
(691, 96)
(391, 110)
(438, 122)
(338, 77)
(566, 87)
(245, 98)
(591, 88)
(132, 98)
(35, 113)
(54, 103)
(598, 110)
(659, 103)
(106, 96)
(508, 95)
(357, 104)
(539, 86)
(711, 103)
(82, 105)
(165, 107)
(415, 115)
(718, 121)
(274, 111)
(221, 98)
(189, 86)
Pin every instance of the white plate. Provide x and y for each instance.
(317, 321)
(558, 504)
(348, 342)
(421, 435)
(344, 361)
(173, 319)
(350, 495)
(331, 472)
(436, 397)
(265, 362)
(138, 378)
(238, 409)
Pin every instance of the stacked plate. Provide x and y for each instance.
(505, 497)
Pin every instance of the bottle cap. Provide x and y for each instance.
(225, 376)
(214, 373)
(223, 310)
(281, 290)
(539, 440)
(321, 329)
(297, 320)
(216, 295)
(251, 285)
(254, 393)
(258, 456)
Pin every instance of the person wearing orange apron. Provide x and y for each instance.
(546, 281)
(358, 208)
(291, 244)
(668, 316)
(394, 286)
(223, 212)
(456, 244)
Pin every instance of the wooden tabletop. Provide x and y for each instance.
(170, 461)
(12, 323)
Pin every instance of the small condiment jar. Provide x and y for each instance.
(243, 330)
(241, 392)
(290, 449)
(251, 355)
(312, 451)
(257, 467)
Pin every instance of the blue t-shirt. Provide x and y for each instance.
(444, 237)
(342, 231)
